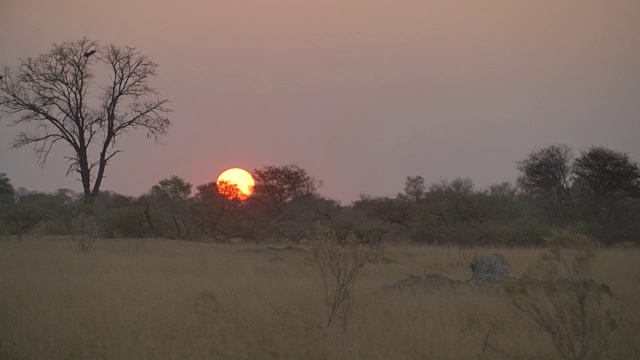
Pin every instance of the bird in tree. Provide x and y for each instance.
(50, 96)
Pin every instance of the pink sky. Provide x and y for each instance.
(360, 93)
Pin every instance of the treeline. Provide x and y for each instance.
(596, 193)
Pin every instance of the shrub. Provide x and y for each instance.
(559, 297)
(470, 259)
(123, 222)
(520, 232)
(339, 263)
(370, 235)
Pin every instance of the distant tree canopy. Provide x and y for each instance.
(504, 188)
(175, 188)
(551, 173)
(605, 172)
(546, 176)
(547, 173)
(414, 188)
(279, 185)
(458, 185)
(7, 202)
(51, 95)
(595, 194)
(7, 193)
(597, 190)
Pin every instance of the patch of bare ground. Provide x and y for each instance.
(434, 282)
(431, 283)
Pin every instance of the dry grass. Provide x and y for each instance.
(155, 299)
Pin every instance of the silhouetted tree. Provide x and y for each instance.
(605, 172)
(414, 188)
(214, 207)
(504, 188)
(7, 193)
(458, 185)
(52, 92)
(386, 209)
(7, 202)
(170, 201)
(175, 188)
(279, 185)
(605, 182)
(546, 175)
(301, 215)
(457, 211)
(31, 209)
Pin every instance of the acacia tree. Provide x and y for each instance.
(605, 172)
(175, 188)
(283, 203)
(214, 205)
(53, 93)
(546, 175)
(280, 185)
(414, 188)
(606, 182)
(170, 199)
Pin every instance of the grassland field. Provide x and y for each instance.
(162, 299)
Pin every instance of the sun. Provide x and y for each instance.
(236, 183)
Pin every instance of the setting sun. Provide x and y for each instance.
(239, 179)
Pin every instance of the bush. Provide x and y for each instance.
(339, 263)
(370, 235)
(520, 232)
(123, 222)
(559, 297)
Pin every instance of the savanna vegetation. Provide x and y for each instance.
(596, 194)
(178, 273)
(84, 97)
(202, 273)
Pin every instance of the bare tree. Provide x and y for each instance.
(53, 94)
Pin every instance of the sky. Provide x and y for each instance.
(362, 94)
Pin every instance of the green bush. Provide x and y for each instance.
(123, 222)
(520, 232)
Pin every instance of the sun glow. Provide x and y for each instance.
(235, 183)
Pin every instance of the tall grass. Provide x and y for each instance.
(558, 295)
(156, 299)
(339, 264)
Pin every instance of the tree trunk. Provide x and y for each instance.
(177, 226)
(148, 216)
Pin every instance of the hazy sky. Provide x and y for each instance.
(360, 93)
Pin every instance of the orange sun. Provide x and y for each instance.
(235, 183)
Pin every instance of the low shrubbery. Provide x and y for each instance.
(559, 296)
(285, 207)
(340, 262)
